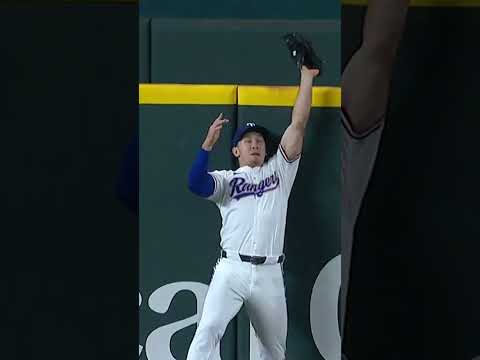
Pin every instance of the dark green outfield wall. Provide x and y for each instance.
(231, 52)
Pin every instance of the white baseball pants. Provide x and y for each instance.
(261, 289)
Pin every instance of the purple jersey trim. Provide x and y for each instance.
(284, 155)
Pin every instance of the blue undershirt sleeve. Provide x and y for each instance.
(200, 182)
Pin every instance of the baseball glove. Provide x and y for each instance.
(302, 52)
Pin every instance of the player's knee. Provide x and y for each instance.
(272, 355)
(272, 351)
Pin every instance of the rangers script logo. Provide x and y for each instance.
(240, 188)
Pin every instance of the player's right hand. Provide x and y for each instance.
(214, 132)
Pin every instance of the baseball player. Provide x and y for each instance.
(365, 91)
(253, 203)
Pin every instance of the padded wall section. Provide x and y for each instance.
(237, 52)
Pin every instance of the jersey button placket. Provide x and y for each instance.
(255, 213)
(253, 242)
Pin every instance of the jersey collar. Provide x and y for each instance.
(246, 169)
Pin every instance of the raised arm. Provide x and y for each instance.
(366, 79)
(200, 182)
(292, 139)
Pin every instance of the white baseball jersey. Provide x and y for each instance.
(253, 205)
(358, 157)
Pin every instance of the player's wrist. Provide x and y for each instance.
(307, 78)
(207, 146)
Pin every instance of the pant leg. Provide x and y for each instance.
(224, 300)
(267, 310)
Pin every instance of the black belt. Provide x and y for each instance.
(255, 260)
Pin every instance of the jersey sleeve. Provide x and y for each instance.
(220, 179)
(286, 169)
(359, 152)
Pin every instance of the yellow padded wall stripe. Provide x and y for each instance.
(171, 94)
(187, 94)
(322, 96)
